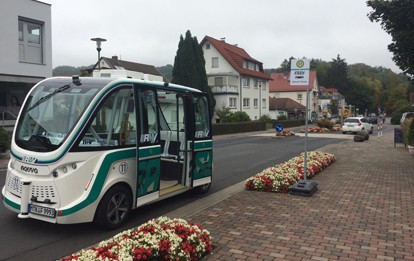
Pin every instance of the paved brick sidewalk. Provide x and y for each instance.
(363, 210)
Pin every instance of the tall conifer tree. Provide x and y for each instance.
(189, 67)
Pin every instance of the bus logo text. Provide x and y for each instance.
(29, 169)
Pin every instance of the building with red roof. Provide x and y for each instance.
(236, 79)
(280, 87)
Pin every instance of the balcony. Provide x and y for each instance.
(227, 89)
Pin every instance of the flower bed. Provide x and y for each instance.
(284, 133)
(316, 130)
(281, 177)
(157, 239)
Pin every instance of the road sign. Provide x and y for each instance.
(346, 112)
(299, 72)
(279, 127)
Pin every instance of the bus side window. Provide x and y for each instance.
(202, 121)
(114, 123)
(148, 118)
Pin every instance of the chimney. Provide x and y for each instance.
(223, 39)
(115, 58)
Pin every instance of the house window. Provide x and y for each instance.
(256, 83)
(263, 103)
(246, 82)
(30, 41)
(232, 102)
(214, 62)
(299, 96)
(255, 103)
(246, 102)
(218, 81)
(263, 83)
(207, 45)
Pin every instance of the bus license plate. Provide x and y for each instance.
(44, 211)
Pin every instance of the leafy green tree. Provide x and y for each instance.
(189, 67)
(396, 18)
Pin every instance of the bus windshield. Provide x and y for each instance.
(50, 113)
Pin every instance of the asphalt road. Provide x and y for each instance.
(235, 159)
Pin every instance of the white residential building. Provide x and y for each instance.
(26, 49)
(280, 88)
(237, 80)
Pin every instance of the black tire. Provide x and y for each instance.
(203, 189)
(343, 132)
(372, 130)
(114, 208)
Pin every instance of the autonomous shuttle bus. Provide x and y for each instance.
(91, 149)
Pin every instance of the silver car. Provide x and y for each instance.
(355, 124)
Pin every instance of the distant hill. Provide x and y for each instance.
(65, 70)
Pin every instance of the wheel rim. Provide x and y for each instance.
(117, 208)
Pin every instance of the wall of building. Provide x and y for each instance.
(10, 12)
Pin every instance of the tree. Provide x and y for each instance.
(337, 75)
(189, 67)
(396, 18)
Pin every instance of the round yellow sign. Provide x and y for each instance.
(346, 112)
(300, 63)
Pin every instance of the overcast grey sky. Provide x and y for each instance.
(269, 30)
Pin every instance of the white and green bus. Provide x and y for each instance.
(91, 149)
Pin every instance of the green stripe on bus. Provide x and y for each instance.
(100, 179)
(11, 204)
(147, 152)
(203, 145)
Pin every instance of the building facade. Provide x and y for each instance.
(236, 79)
(280, 88)
(26, 49)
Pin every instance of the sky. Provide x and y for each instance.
(148, 31)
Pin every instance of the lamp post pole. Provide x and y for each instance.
(98, 48)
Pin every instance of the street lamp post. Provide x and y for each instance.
(98, 48)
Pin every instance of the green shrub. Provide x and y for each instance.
(406, 126)
(4, 140)
(266, 118)
(282, 117)
(324, 123)
(225, 114)
(239, 116)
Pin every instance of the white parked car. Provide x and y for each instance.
(355, 124)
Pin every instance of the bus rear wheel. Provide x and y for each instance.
(203, 189)
(114, 208)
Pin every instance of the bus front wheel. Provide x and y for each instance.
(114, 208)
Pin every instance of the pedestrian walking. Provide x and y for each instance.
(380, 123)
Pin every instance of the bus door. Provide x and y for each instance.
(174, 157)
(202, 154)
(148, 146)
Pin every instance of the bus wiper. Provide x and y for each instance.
(45, 98)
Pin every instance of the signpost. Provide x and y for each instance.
(299, 75)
